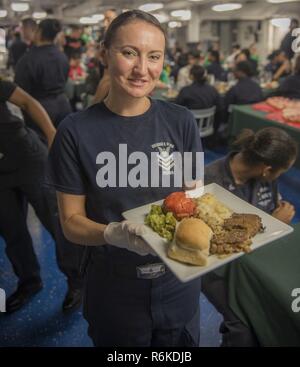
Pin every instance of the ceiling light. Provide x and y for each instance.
(98, 17)
(87, 20)
(20, 6)
(281, 1)
(281, 22)
(227, 7)
(39, 14)
(182, 14)
(174, 24)
(3, 13)
(151, 6)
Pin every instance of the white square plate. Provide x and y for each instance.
(274, 229)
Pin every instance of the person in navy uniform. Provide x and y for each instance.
(279, 66)
(245, 55)
(215, 68)
(250, 172)
(131, 298)
(290, 86)
(199, 95)
(22, 163)
(287, 42)
(246, 90)
(43, 72)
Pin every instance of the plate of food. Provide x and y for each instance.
(194, 236)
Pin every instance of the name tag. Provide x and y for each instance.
(150, 271)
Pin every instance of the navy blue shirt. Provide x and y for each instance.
(22, 154)
(42, 71)
(246, 91)
(263, 195)
(6, 115)
(88, 140)
(199, 96)
(217, 71)
(286, 45)
(290, 87)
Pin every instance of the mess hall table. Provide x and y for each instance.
(245, 117)
(260, 290)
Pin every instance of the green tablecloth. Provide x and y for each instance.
(245, 117)
(260, 290)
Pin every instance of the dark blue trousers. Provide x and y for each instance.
(124, 310)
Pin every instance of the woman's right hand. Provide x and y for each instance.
(126, 235)
(284, 212)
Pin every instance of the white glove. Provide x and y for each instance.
(126, 235)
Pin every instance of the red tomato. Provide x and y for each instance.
(179, 204)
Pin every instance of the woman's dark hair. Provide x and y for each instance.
(271, 146)
(49, 29)
(245, 67)
(128, 17)
(297, 66)
(198, 74)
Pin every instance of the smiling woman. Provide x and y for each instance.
(134, 53)
(128, 302)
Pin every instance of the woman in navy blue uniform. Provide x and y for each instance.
(250, 172)
(43, 72)
(131, 298)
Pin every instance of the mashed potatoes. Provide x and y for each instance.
(212, 211)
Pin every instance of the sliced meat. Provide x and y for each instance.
(230, 237)
(250, 222)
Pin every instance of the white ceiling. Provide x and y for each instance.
(72, 10)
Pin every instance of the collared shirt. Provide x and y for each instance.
(42, 71)
(263, 195)
(246, 91)
(286, 45)
(216, 69)
(199, 96)
(290, 87)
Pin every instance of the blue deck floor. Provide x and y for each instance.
(41, 323)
